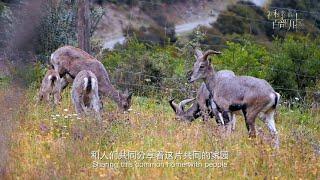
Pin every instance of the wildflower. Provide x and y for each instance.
(297, 99)
(78, 118)
(57, 115)
(65, 110)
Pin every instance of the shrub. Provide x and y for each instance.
(146, 69)
(245, 58)
(297, 59)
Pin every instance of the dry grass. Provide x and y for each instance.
(11, 98)
(54, 143)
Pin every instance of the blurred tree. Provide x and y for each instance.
(84, 25)
(6, 24)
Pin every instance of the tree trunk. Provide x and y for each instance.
(84, 25)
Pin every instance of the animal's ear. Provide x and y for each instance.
(198, 53)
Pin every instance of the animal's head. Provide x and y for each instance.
(202, 67)
(179, 108)
(125, 100)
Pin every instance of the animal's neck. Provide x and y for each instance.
(208, 80)
(109, 90)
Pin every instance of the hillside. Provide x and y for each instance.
(185, 16)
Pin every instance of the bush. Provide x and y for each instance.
(245, 58)
(296, 59)
(57, 28)
(146, 69)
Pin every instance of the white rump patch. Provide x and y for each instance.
(93, 83)
(85, 83)
(50, 77)
(270, 104)
(51, 57)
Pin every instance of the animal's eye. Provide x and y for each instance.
(201, 66)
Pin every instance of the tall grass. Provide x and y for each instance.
(55, 143)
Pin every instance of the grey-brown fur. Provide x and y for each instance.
(201, 107)
(50, 87)
(251, 95)
(68, 61)
(190, 115)
(85, 97)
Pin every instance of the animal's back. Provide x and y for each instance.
(239, 89)
(79, 60)
(85, 83)
(72, 53)
(50, 80)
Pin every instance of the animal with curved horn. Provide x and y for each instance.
(251, 95)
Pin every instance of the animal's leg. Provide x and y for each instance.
(230, 126)
(84, 107)
(233, 122)
(204, 111)
(96, 106)
(47, 97)
(64, 83)
(77, 103)
(40, 96)
(217, 114)
(57, 98)
(269, 121)
(250, 115)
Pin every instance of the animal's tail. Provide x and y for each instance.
(276, 100)
(53, 79)
(88, 84)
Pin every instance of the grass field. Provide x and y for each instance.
(52, 143)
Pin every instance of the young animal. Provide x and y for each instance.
(251, 95)
(68, 61)
(50, 87)
(84, 93)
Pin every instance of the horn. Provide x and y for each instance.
(184, 102)
(209, 52)
(198, 53)
(174, 106)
